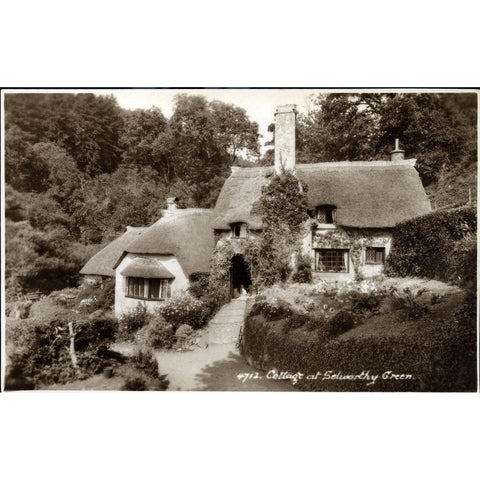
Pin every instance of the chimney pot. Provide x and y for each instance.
(285, 117)
(397, 153)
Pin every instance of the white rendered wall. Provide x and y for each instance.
(123, 304)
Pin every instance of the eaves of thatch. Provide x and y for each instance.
(376, 194)
(103, 262)
(186, 234)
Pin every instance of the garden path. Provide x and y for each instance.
(215, 368)
(218, 366)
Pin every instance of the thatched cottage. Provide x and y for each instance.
(163, 260)
(353, 207)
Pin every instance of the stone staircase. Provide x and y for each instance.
(225, 326)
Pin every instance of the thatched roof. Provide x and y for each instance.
(373, 194)
(241, 189)
(146, 268)
(103, 262)
(187, 234)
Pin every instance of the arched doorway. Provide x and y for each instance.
(239, 276)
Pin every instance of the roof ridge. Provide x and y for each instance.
(410, 162)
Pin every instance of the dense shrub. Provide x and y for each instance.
(296, 320)
(129, 323)
(145, 361)
(462, 268)
(47, 309)
(440, 357)
(340, 323)
(97, 296)
(159, 334)
(185, 310)
(303, 270)
(41, 348)
(364, 303)
(199, 285)
(273, 310)
(135, 384)
(424, 246)
(98, 331)
(142, 372)
(184, 335)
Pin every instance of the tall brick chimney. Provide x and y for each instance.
(285, 138)
(397, 154)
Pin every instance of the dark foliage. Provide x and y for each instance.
(340, 323)
(185, 310)
(41, 355)
(303, 270)
(283, 207)
(440, 358)
(160, 334)
(199, 285)
(426, 246)
(272, 311)
(135, 384)
(295, 320)
(142, 373)
(129, 323)
(99, 295)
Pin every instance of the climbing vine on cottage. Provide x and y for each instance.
(283, 207)
(225, 250)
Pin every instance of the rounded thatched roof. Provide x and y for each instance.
(186, 233)
(103, 262)
(374, 194)
(146, 268)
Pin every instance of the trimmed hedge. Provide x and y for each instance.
(441, 358)
(432, 246)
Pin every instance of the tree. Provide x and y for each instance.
(24, 171)
(337, 129)
(141, 129)
(439, 129)
(234, 132)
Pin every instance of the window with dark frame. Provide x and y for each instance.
(331, 260)
(375, 255)
(326, 214)
(237, 230)
(148, 288)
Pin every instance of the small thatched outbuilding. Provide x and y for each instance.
(161, 261)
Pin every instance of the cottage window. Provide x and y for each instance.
(331, 260)
(326, 214)
(375, 255)
(148, 288)
(238, 230)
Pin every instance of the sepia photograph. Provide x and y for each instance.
(236, 239)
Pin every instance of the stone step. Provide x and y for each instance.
(225, 326)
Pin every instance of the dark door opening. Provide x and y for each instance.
(239, 276)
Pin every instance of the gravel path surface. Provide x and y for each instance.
(215, 368)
